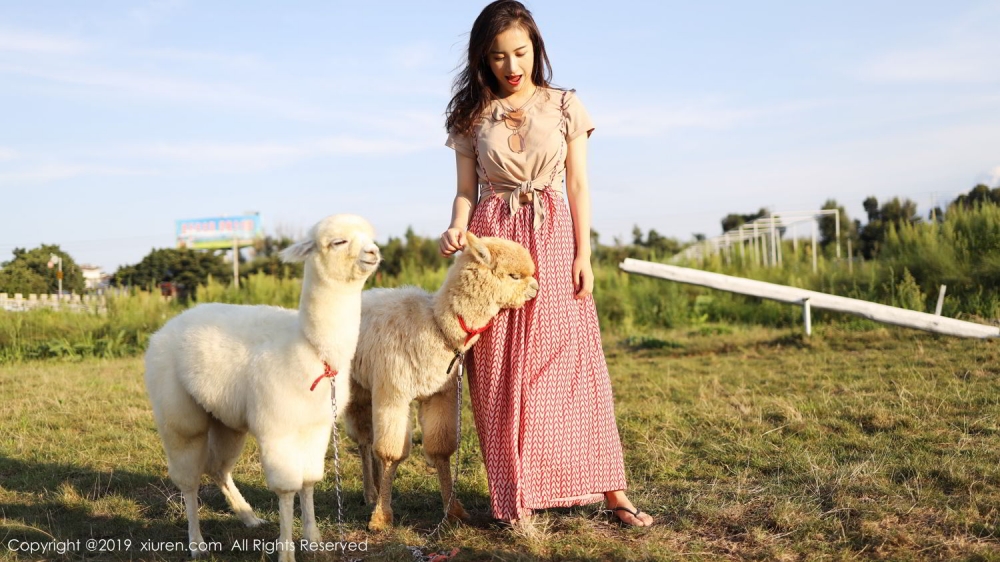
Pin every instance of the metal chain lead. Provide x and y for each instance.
(458, 432)
(336, 459)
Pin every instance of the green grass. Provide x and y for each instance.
(122, 331)
(744, 443)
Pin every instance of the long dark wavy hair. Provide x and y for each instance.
(476, 85)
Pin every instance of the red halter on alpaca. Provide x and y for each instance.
(471, 333)
(328, 373)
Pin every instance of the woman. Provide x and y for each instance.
(540, 390)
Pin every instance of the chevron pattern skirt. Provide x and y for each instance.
(541, 395)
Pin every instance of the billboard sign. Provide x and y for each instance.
(219, 232)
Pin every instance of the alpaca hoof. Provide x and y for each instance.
(457, 513)
(380, 521)
(252, 520)
(286, 551)
(313, 539)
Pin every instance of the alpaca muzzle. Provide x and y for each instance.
(370, 258)
(532, 289)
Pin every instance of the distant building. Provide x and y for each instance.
(93, 277)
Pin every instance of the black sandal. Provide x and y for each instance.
(635, 513)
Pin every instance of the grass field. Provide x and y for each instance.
(744, 443)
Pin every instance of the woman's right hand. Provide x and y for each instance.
(452, 240)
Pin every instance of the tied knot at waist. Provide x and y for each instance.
(529, 189)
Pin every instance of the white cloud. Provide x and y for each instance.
(994, 175)
(236, 156)
(653, 119)
(30, 42)
(353, 145)
(151, 86)
(224, 60)
(60, 171)
(169, 74)
(240, 157)
(7, 154)
(969, 61)
(963, 51)
(153, 12)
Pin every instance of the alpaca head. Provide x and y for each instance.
(339, 248)
(499, 272)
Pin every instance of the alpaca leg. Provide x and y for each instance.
(285, 545)
(186, 461)
(391, 446)
(369, 468)
(224, 448)
(280, 458)
(183, 427)
(314, 446)
(439, 424)
(194, 527)
(381, 518)
(310, 531)
(358, 420)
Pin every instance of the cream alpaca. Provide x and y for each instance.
(408, 341)
(218, 371)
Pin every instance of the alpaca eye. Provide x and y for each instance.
(514, 276)
(338, 242)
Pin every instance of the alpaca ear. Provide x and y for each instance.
(478, 249)
(298, 252)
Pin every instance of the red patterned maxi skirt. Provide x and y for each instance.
(541, 395)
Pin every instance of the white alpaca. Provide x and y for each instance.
(408, 346)
(218, 371)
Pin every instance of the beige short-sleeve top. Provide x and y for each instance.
(552, 118)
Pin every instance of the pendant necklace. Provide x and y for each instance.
(514, 119)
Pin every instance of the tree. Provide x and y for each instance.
(17, 277)
(636, 236)
(267, 259)
(408, 252)
(828, 225)
(898, 211)
(731, 221)
(662, 246)
(29, 272)
(655, 245)
(735, 220)
(184, 267)
(871, 207)
(979, 195)
(895, 213)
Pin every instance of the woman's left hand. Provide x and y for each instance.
(583, 277)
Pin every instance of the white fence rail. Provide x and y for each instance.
(806, 299)
(77, 303)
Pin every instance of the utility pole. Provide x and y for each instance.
(53, 260)
(236, 260)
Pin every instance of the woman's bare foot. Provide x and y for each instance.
(619, 504)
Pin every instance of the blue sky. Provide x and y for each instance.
(118, 118)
